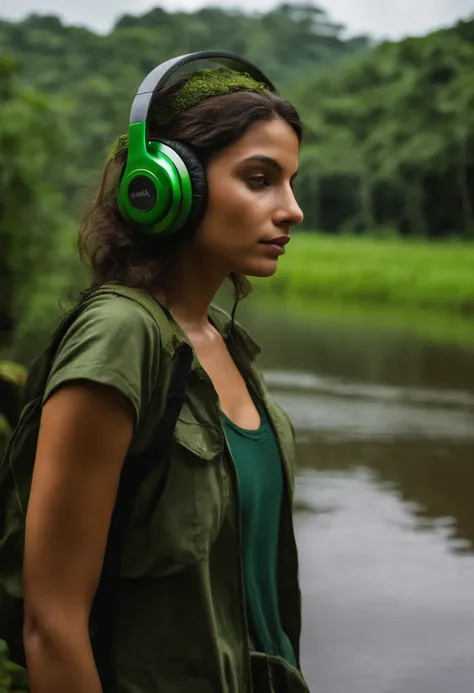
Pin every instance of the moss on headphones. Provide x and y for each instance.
(201, 85)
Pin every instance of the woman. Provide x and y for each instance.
(208, 596)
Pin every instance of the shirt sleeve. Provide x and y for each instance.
(116, 342)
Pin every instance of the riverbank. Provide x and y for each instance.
(420, 287)
(438, 276)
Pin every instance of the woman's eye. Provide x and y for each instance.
(256, 182)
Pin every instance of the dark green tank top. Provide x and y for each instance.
(259, 470)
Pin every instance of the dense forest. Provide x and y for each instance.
(391, 138)
(93, 78)
(389, 129)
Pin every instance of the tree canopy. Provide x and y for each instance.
(389, 142)
(31, 205)
(390, 138)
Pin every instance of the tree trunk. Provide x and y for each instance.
(415, 208)
(316, 206)
(464, 192)
(6, 289)
(367, 202)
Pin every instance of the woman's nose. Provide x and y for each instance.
(290, 214)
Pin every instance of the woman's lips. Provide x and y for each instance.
(280, 241)
(277, 245)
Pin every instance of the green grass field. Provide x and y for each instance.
(421, 286)
(376, 271)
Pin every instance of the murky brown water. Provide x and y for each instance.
(385, 498)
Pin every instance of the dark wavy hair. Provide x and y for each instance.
(111, 247)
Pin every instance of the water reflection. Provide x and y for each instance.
(386, 608)
(349, 411)
(385, 511)
(434, 481)
(415, 442)
(419, 443)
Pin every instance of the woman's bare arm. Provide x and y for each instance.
(85, 433)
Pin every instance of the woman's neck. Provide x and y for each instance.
(192, 283)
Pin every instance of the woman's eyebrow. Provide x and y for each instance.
(269, 161)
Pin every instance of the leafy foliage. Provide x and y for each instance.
(13, 678)
(30, 207)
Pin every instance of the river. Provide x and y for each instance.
(384, 502)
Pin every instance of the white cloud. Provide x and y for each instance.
(380, 18)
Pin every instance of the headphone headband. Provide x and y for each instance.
(172, 70)
(163, 186)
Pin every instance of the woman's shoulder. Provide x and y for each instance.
(121, 308)
(115, 339)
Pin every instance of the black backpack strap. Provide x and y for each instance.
(135, 470)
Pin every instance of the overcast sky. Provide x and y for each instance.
(380, 18)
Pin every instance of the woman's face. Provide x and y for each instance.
(251, 205)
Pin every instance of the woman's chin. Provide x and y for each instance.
(266, 268)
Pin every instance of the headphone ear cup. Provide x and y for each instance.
(198, 178)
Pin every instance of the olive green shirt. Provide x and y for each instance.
(181, 616)
(113, 342)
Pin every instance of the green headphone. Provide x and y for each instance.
(163, 186)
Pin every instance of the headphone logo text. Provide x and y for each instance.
(140, 193)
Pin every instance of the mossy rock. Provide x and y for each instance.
(5, 433)
(12, 381)
(13, 679)
(13, 373)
